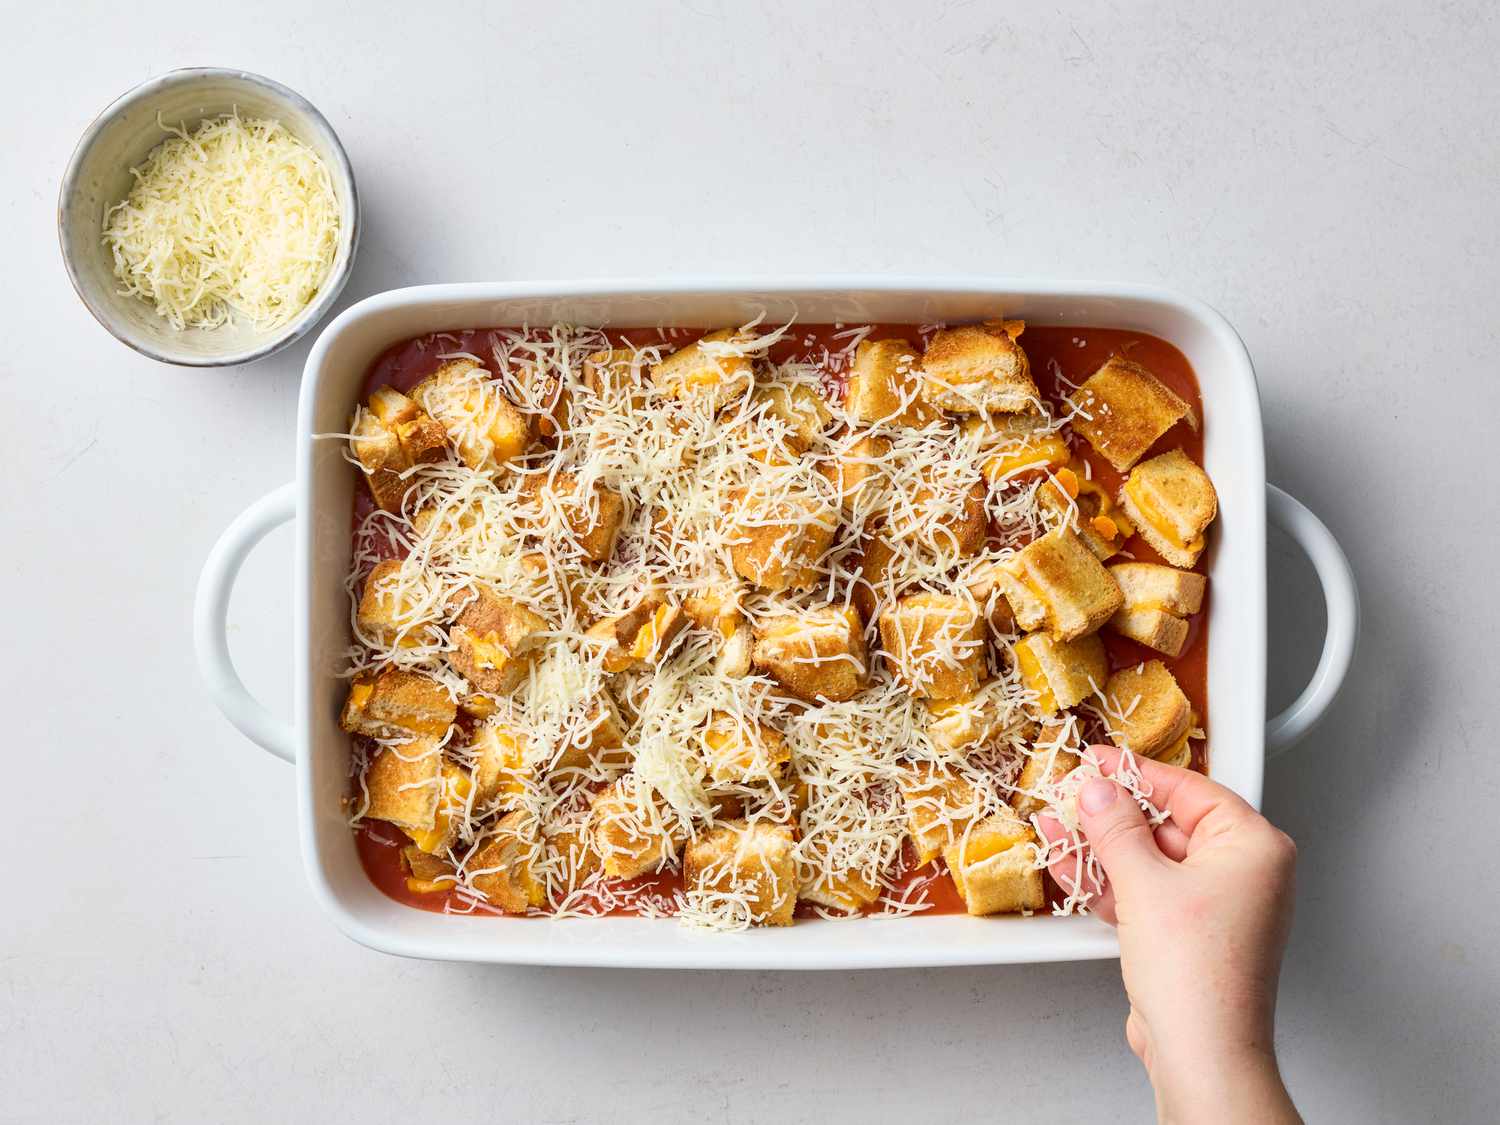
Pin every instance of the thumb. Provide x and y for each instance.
(1118, 832)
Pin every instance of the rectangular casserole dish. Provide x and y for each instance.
(322, 495)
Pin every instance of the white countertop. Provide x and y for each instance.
(1326, 176)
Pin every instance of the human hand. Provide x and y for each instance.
(1203, 904)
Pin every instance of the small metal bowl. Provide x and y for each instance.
(98, 176)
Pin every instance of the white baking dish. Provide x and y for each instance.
(321, 496)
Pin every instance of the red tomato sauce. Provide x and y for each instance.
(1061, 358)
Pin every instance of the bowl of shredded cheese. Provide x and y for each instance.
(209, 217)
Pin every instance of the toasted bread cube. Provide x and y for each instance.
(712, 371)
(960, 726)
(1171, 501)
(421, 438)
(799, 408)
(1123, 410)
(847, 891)
(883, 385)
(877, 577)
(391, 606)
(857, 475)
(815, 653)
(939, 808)
(1072, 500)
(640, 635)
(735, 654)
(456, 788)
(494, 638)
(1148, 712)
(985, 585)
(500, 869)
(395, 703)
(1048, 761)
(935, 643)
(751, 863)
(427, 874)
(1056, 583)
(736, 750)
(1061, 673)
(994, 868)
(778, 543)
(488, 430)
(633, 829)
(380, 455)
(978, 369)
(404, 785)
(593, 515)
(1157, 601)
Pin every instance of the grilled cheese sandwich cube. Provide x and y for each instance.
(709, 372)
(421, 438)
(404, 785)
(390, 606)
(1048, 761)
(751, 863)
(716, 609)
(1082, 505)
(488, 430)
(427, 874)
(456, 787)
(1062, 674)
(883, 386)
(777, 544)
(936, 645)
(940, 805)
(877, 576)
(984, 584)
(978, 369)
(394, 704)
(960, 726)
(814, 653)
(593, 516)
(737, 751)
(570, 842)
(1046, 452)
(846, 891)
(1171, 501)
(380, 455)
(641, 635)
(1147, 710)
(633, 829)
(1057, 584)
(1157, 601)
(494, 640)
(615, 374)
(502, 773)
(856, 475)
(952, 522)
(994, 869)
(799, 408)
(501, 868)
(1123, 410)
(600, 740)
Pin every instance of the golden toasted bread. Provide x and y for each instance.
(1148, 712)
(1056, 583)
(815, 653)
(883, 386)
(751, 863)
(1062, 674)
(935, 644)
(978, 369)
(1171, 501)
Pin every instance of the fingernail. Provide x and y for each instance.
(1098, 795)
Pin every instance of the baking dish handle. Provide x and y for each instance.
(210, 613)
(1341, 598)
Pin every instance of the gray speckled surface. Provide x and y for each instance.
(1325, 175)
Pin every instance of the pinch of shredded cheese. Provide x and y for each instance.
(236, 220)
